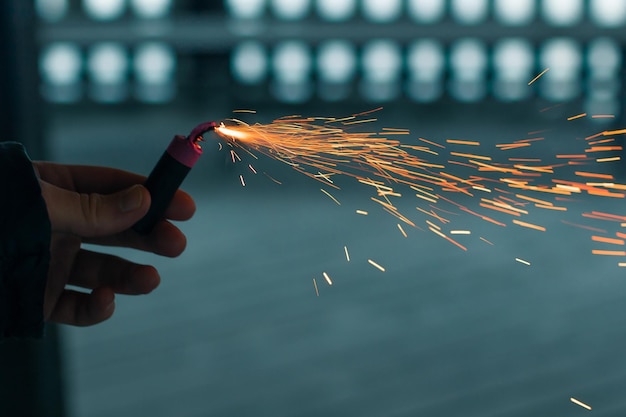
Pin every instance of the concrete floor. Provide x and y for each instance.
(236, 329)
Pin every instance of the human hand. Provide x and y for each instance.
(99, 205)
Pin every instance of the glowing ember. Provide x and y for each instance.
(376, 265)
(538, 76)
(580, 403)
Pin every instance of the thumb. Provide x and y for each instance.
(90, 215)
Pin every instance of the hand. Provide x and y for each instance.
(99, 205)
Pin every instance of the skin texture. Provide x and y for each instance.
(99, 205)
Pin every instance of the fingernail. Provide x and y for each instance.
(131, 199)
(110, 307)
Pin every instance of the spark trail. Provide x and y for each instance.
(507, 190)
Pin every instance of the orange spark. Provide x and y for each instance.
(607, 240)
(463, 142)
(578, 116)
(608, 252)
(529, 225)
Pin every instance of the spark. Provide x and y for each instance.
(486, 241)
(603, 116)
(363, 212)
(234, 156)
(580, 403)
(529, 225)
(621, 264)
(469, 155)
(605, 216)
(538, 76)
(578, 116)
(593, 175)
(608, 252)
(460, 232)
(317, 293)
(329, 195)
(463, 142)
(244, 111)
(251, 168)
(449, 239)
(607, 240)
(327, 278)
(614, 132)
(376, 265)
(345, 249)
(272, 178)
(432, 143)
(402, 230)
(522, 261)
(243, 183)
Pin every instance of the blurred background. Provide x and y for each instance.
(236, 328)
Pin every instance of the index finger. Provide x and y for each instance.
(105, 180)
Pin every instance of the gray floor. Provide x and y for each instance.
(236, 329)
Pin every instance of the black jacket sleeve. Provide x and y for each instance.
(24, 245)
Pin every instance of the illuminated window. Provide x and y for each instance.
(513, 68)
(426, 11)
(51, 10)
(336, 10)
(60, 65)
(562, 12)
(382, 11)
(154, 64)
(514, 12)
(468, 61)
(336, 63)
(249, 62)
(292, 63)
(290, 9)
(425, 62)
(382, 65)
(104, 9)
(469, 12)
(609, 13)
(107, 66)
(563, 57)
(151, 9)
(245, 9)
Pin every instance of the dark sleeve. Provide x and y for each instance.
(24, 245)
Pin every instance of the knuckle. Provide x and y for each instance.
(90, 207)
